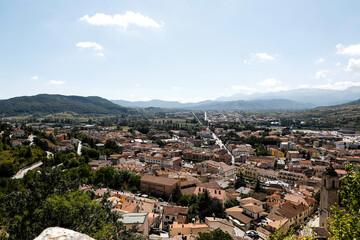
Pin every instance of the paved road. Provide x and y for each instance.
(31, 139)
(21, 173)
(79, 148)
(197, 118)
(218, 140)
(221, 145)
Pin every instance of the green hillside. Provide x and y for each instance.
(340, 116)
(45, 104)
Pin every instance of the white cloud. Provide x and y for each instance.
(124, 21)
(100, 54)
(320, 74)
(277, 89)
(35, 78)
(351, 50)
(338, 64)
(55, 82)
(137, 85)
(176, 88)
(93, 45)
(261, 57)
(333, 86)
(320, 60)
(353, 66)
(269, 82)
(264, 56)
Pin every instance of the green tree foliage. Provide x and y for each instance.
(49, 197)
(240, 181)
(216, 234)
(117, 179)
(344, 223)
(187, 200)
(176, 194)
(206, 206)
(74, 210)
(257, 186)
(317, 197)
(231, 203)
(112, 147)
(231, 136)
(283, 235)
(44, 104)
(260, 150)
(18, 157)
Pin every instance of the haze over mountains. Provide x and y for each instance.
(292, 100)
(318, 97)
(253, 105)
(300, 99)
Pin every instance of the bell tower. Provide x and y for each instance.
(328, 194)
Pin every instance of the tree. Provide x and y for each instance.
(282, 235)
(240, 181)
(257, 186)
(317, 197)
(176, 194)
(231, 203)
(187, 200)
(216, 234)
(206, 206)
(345, 223)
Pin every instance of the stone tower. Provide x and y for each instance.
(329, 193)
(203, 168)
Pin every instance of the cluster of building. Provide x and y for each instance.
(277, 191)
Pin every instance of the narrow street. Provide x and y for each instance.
(79, 148)
(21, 173)
(218, 140)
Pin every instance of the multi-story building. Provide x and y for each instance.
(160, 186)
(292, 177)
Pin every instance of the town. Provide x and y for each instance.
(188, 173)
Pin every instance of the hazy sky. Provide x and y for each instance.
(176, 50)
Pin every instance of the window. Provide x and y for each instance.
(333, 183)
(324, 182)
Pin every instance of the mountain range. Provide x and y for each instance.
(317, 97)
(254, 105)
(295, 99)
(44, 104)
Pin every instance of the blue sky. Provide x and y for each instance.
(177, 50)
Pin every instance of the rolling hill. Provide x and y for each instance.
(44, 104)
(338, 116)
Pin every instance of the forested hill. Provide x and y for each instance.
(45, 104)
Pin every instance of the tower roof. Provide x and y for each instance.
(331, 171)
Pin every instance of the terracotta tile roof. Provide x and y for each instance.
(290, 210)
(239, 216)
(175, 210)
(159, 180)
(250, 200)
(253, 208)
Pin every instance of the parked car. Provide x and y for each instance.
(252, 234)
